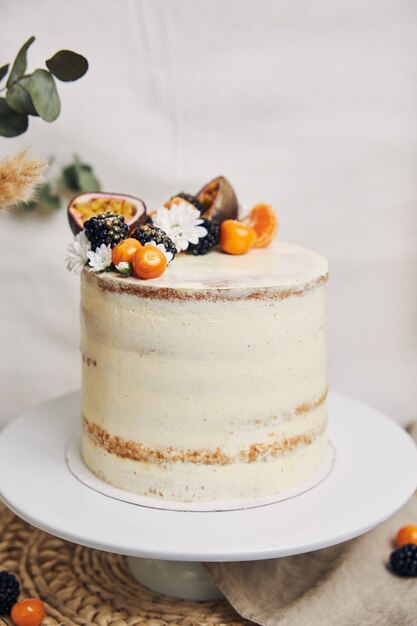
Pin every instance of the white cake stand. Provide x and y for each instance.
(374, 475)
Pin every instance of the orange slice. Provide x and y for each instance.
(264, 221)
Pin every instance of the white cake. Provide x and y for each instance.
(210, 382)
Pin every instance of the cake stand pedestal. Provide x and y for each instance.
(374, 474)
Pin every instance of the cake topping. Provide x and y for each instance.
(209, 241)
(168, 255)
(219, 200)
(100, 260)
(124, 251)
(108, 228)
(196, 224)
(264, 221)
(182, 223)
(124, 268)
(188, 197)
(88, 205)
(78, 250)
(148, 233)
(149, 262)
(236, 237)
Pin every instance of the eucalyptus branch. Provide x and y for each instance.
(36, 93)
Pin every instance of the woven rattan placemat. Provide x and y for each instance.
(84, 586)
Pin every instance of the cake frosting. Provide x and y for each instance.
(210, 382)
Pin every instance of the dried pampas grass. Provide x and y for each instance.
(19, 176)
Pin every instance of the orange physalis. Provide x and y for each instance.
(124, 251)
(28, 612)
(149, 262)
(405, 535)
(236, 237)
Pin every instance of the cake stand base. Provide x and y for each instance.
(374, 474)
(181, 579)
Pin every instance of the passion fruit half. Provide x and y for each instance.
(219, 200)
(87, 205)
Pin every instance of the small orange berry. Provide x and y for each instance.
(236, 237)
(149, 262)
(125, 250)
(406, 534)
(29, 612)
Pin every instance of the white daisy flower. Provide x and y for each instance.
(168, 255)
(124, 268)
(181, 223)
(78, 251)
(100, 260)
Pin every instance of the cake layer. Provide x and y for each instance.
(218, 364)
(189, 482)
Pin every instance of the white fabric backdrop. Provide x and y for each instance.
(309, 105)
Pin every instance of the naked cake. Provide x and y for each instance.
(208, 382)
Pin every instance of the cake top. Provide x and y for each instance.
(281, 266)
(203, 242)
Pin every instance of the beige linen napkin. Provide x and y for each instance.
(346, 585)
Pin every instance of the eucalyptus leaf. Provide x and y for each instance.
(3, 71)
(70, 177)
(25, 83)
(67, 65)
(79, 176)
(18, 98)
(19, 65)
(87, 181)
(46, 197)
(45, 97)
(12, 123)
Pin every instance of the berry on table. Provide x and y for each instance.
(108, 228)
(236, 237)
(403, 561)
(406, 534)
(149, 262)
(9, 591)
(124, 251)
(264, 221)
(206, 243)
(28, 612)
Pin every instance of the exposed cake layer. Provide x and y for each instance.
(218, 367)
(189, 482)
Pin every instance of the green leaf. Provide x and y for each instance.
(12, 123)
(87, 181)
(67, 65)
(45, 97)
(3, 71)
(18, 98)
(79, 176)
(70, 179)
(19, 65)
(45, 197)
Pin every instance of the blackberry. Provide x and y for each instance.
(192, 200)
(205, 244)
(9, 591)
(107, 228)
(149, 232)
(403, 561)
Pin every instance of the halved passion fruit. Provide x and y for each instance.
(87, 205)
(219, 200)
